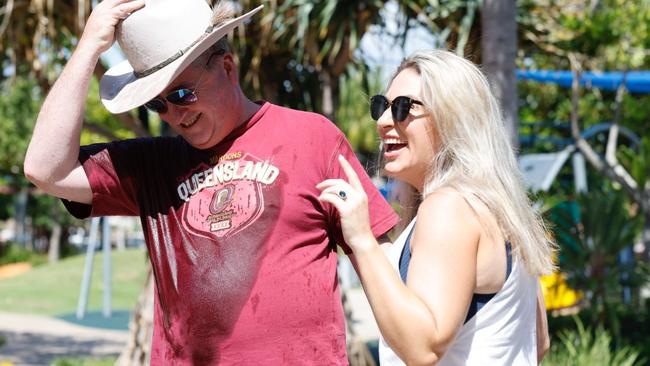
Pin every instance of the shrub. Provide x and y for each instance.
(13, 253)
(584, 346)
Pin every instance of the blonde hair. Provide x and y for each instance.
(474, 155)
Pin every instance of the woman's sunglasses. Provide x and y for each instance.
(399, 107)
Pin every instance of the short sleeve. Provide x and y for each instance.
(382, 217)
(110, 169)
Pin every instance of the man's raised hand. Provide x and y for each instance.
(99, 33)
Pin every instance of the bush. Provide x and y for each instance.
(584, 346)
(633, 323)
(14, 253)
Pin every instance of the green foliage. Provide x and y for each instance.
(335, 26)
(352, 115)
(551, 105)
(635, 322)
(610, 35)
(99, 116)
(14, 253)
(6, 205)
(585, 346)
(637, 162)
(47, 211)
(591, 232)
(19, 104)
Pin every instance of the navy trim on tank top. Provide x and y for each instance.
(478, 300)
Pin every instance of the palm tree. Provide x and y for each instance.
(499, 51)
(306, 44)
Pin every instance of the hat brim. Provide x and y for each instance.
(120, 90)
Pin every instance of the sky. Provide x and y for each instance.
(380, 49)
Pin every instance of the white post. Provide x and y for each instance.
(88, 269)
(106, 246)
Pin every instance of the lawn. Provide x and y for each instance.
(53, 289)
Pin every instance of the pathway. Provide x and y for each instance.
(38, 340)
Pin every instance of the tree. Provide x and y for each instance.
(600, 35)
(499, 51)
(37, 38)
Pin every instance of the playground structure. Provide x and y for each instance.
(540, 170)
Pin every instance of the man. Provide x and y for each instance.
(242, 250)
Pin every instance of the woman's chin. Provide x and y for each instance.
(392, 170)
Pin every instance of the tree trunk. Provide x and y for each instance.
(138, 349)
(54, 247)
(645, 236)
(499, 51)
(327, 96)
(20, 235)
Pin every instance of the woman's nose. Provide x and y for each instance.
(385, 121)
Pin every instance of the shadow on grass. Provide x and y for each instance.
(119, 320)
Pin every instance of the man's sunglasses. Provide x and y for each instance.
(399, 107)
(181, 97)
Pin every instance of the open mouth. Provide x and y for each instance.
(191, 122)
(393, 144)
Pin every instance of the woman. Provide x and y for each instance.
(466, 291)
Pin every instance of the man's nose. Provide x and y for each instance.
(175, 114)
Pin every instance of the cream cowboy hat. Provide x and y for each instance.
(160, 41)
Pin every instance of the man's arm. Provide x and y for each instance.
(51, 162)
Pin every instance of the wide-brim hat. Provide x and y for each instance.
(160, 41)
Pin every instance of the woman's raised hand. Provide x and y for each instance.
(351, 201)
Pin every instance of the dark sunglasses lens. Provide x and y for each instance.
(378, 105)
(156, 105)
(400, 108)
(182, 97)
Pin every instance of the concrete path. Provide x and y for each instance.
(37, 340)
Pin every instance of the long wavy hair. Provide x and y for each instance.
(474, 155)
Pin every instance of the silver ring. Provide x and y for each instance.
(343, 195)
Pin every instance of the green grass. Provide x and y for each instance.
(83, 362)
(53, 289)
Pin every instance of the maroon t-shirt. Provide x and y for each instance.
(244, 254)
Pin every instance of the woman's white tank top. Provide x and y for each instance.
(503, 331)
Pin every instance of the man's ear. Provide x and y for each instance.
(230, 67)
